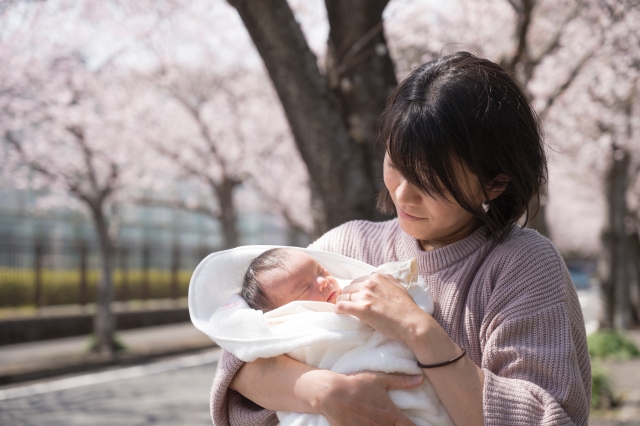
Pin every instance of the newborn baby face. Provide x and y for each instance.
(302, 278)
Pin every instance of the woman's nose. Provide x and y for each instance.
(407, 193)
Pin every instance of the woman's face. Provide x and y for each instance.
(434, 222)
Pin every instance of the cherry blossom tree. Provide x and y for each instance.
(81, 122)
(68, 117)
(69, 131)
(602, 127)
(217, 119)
(332, 114)
(224, 131)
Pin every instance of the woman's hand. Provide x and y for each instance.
(362, 399)
(380, 301)
(284, 384)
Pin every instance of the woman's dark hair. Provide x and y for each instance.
(252, 291)
(461, 110)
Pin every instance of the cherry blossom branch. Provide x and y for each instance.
(350, 59)
(523, 11)
(554, 43)
(560, 90)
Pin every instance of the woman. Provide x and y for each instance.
(464, 156)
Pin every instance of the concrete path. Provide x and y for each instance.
(168, 392)
(49, 355)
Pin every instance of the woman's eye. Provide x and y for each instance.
(391, 166)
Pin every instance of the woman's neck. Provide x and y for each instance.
(463, 232)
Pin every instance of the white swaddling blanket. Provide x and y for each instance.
(313, 333)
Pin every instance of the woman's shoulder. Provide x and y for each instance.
(360, 239)
(527, 247)
(527, 266)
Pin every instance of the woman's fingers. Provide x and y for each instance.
(401, 381)
(356, 285)
(367, 282)
(362, 399)
(362, 279)
(380, 301)
(370, 281)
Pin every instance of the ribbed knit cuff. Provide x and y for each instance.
(513, 402)
(228, 407)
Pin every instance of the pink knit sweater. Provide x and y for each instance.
(511, 305)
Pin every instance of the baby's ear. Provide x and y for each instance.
(497, 186)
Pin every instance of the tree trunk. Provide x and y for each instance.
(538, 218)
(614, 261)
(634, 278)
(361, 75)
(104, 321)
(606, 275)
(342, 173)
(228, 217)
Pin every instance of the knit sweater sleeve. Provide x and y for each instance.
(343, 239)
(369, 242)
(534, 345)
(228, 407)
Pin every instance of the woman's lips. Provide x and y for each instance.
(407, 216)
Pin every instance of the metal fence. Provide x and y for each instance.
(40, 272)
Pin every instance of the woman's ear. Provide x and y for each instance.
(497, 186)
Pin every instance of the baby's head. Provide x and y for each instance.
(282, 275)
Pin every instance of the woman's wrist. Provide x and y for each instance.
(417, 328)
(428, 340)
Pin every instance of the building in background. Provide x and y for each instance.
(50, 257)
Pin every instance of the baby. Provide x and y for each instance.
(313, 333)
(281, 275)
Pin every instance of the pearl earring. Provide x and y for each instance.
(485, 205)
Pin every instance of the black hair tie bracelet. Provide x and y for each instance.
(441, 364)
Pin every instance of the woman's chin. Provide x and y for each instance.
(415, 229)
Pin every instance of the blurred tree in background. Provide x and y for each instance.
(69, 131)
(332, 114)
(97, 125)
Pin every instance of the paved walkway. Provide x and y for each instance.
(59, 354)
(169, 392)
